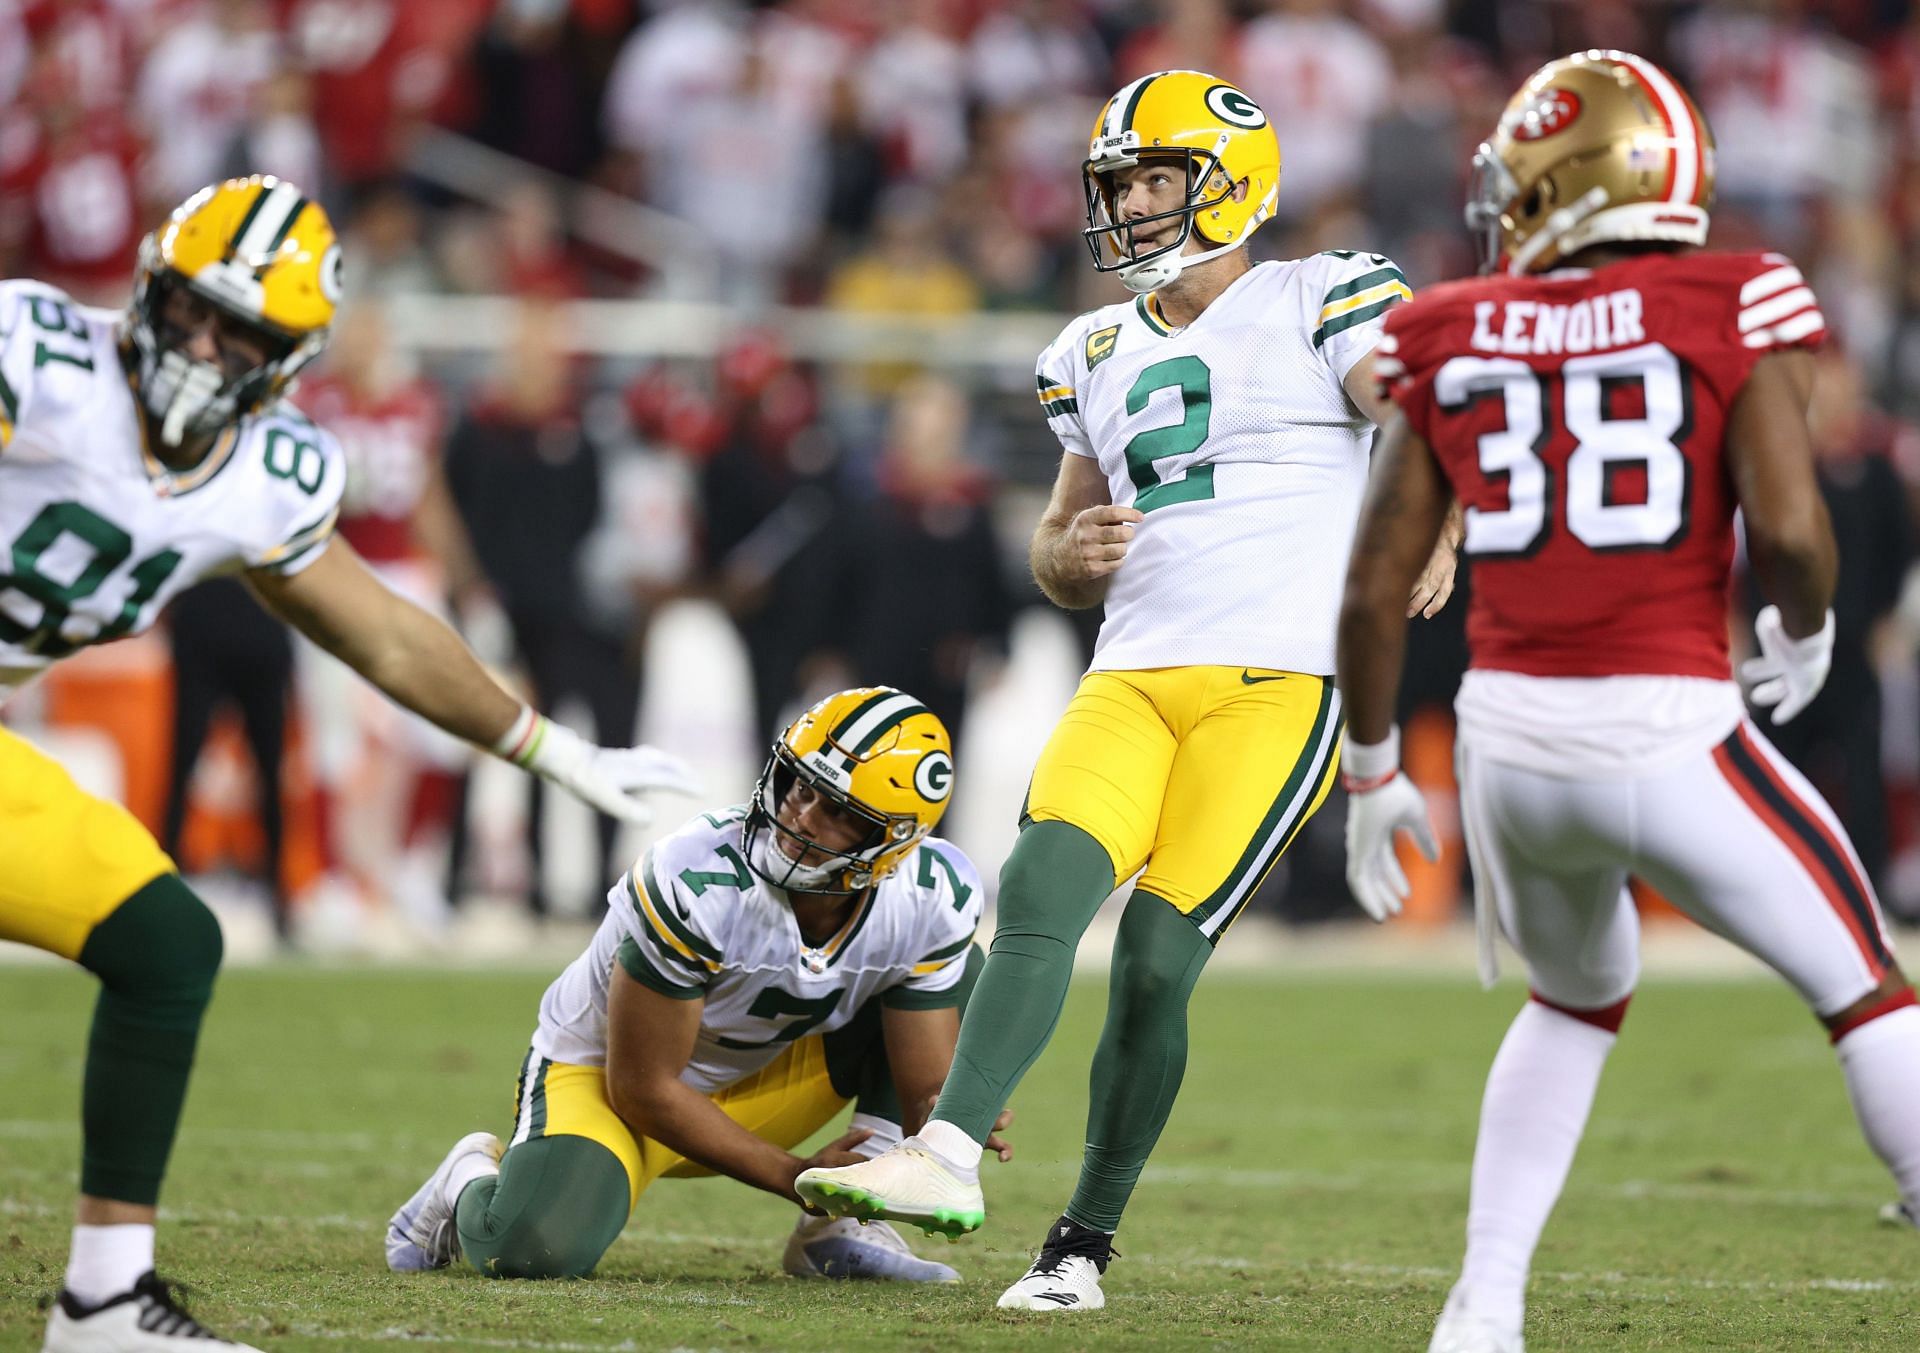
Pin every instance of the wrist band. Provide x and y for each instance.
(523, 737)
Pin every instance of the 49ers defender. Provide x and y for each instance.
(1601, 410)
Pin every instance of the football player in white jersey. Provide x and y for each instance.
(1216, 432)
(139, 453)
(757, 969)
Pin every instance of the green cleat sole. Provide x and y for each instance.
(865, 1207)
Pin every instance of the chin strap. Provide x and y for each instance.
(182, 392)
(1140, 278)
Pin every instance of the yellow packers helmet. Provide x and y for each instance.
(876, 754)
(1223, 139)
(262, 256)
(1601, 146)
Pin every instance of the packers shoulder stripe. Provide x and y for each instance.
(1364, 298)
(940, 958)
(1056, 397)
(667, 931)
(9, 411)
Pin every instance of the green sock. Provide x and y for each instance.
(156, 956)
(1051, 886)
(556, 1206)
(1142, 1054)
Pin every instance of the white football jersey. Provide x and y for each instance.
(96, 536)
(696, 923)
(1236, 439)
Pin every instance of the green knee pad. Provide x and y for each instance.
(156, 957)
(557, 1205)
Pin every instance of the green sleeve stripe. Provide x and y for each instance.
(1341, 323)
(1364, 283)
(912, 998)
(1060, 408)
(637, 967)
(959, 946)
(10, 403)
(280, 564)
(664, 908)
(668, 952)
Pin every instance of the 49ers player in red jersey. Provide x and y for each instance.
(1601, 406)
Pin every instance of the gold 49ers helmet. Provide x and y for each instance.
(1597, 147)
(261, 256)
(876, 754)
(1222, 139)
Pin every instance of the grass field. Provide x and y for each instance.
(1309, 1192)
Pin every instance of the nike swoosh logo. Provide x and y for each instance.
(1247, 678)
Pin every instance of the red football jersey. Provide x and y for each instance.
(392, 444)
(1581, 418)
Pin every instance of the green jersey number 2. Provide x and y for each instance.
(1190, 376)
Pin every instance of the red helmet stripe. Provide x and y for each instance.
(1685, 178)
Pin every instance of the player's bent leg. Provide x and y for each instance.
(1052, 884)
(156, 957)
(556, 1206)
(1878, 1042)
(421, 1235)
(1142, 1055)
(1780, 879)
(1545, 855)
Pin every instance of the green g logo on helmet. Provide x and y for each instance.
(1234, 108)
(933, 777)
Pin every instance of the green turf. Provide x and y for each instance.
(1309, 1192)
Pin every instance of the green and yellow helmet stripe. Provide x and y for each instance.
(869, 721)
(268, 221)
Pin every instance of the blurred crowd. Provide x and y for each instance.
(877, 157)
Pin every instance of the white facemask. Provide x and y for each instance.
(186, 396)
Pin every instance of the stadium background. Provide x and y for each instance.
(687, 353)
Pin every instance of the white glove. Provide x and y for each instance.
(1789, 672)
(610, 779)
(1381, 802)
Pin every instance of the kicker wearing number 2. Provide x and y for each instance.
(1216, 432)
(1601, 411)
(139, 453)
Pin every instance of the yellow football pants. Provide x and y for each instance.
(1200, 776)
(785, 1102)
(67, 858)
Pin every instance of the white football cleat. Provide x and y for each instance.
(1464, 1330)
(912, 1183)
(146, 1318)
(421, 1235)
(1898, 1214)
(840, 1247)
(1066, 1275)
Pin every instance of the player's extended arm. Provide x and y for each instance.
(1434, 585)
(417, 660)
(650, 1039)
(1405, 508)
(1082, 537)
(1789, 536)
